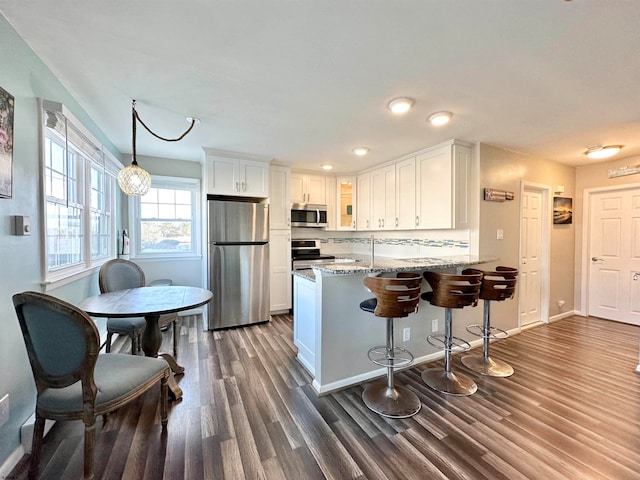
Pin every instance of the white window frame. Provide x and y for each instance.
(102, 159)
(177, 183)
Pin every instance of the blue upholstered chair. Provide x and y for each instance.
(118, 274)
(73, 381)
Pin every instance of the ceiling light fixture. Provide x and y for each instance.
(400, 105)
(360, 151)
(440, 118)
(599, 152)
(133, 179)
(327, 166)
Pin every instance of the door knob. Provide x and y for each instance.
(636, 276)
(597, 259)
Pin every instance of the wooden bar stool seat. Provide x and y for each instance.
(450, 291)
(497, 286)
(395, 297)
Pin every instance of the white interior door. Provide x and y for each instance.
(531, 252)
(614, 255)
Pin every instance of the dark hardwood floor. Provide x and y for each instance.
(570, 411)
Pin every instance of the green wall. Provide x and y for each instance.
(24, 76)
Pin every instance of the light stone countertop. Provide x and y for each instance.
(386, 264)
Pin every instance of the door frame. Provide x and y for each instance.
(545, 246)
(587, 198)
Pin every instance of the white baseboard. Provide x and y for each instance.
(11, 462)
(26, 431)
(560, 316)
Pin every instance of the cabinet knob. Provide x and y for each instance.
(237, 186)
(417, 221)
(396, 221)
(382, 223)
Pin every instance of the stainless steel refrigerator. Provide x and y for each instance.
(238, 262)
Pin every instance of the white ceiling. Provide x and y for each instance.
(305, 81)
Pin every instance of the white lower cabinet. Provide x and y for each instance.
(304, 321)
(280, 270)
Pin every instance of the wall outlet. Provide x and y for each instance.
(434, 325)
(499, 234)
(4, 409)
(406, 334)
(560, 303)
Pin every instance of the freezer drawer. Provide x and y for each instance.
(239, 281)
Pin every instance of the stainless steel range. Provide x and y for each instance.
(306, 253)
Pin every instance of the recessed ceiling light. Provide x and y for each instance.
(400, 105)
(360, 151)
(440, 118)
(327, 166)
(599, 152)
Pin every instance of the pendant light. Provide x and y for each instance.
(133, 179)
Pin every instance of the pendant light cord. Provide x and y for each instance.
(136, 116)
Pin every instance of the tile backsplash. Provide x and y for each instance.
(408, 244)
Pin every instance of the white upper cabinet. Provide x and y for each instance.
(280, 210)
(346, 203)
(363, 202)
(236, 176)
(383, 198)
(442, 187)
(406, 194)
(308, 188)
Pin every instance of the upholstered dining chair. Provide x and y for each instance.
(73, 381)
(119, 274)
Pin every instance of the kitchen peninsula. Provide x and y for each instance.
(333, 335)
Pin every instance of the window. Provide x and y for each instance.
(165, 220)
(79, 190)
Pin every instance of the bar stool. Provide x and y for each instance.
(395, 297)
(497, 286)
(450, 291)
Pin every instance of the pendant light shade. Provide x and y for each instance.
(133, 179)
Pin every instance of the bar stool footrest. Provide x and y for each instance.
(395, 358)
(494, 333)
(457, 343)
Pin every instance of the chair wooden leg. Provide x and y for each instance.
(36, 447)
(107, 346)
(135, 344)
(164, 402)
(89, 443)
(175, 338)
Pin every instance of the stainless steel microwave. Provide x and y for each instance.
(308, 215)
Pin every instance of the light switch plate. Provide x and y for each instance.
(499, 234)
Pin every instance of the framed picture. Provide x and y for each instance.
(562, 210)
(6, 143)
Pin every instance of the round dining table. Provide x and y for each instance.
(150, 303)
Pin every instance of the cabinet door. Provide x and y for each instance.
(434, 192)
(315, 188)
(280, 269)
(222, 175)
(363, 196)
(346, 203)
(330, 195)
(304, 322)
(383, 198)
(280, 198)
(298, 193)
(254, 178)
(406, 194)
(462, 173)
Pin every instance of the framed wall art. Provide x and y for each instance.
(562, 210)
(6, 143)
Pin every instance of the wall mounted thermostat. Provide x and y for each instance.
(22, 225)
